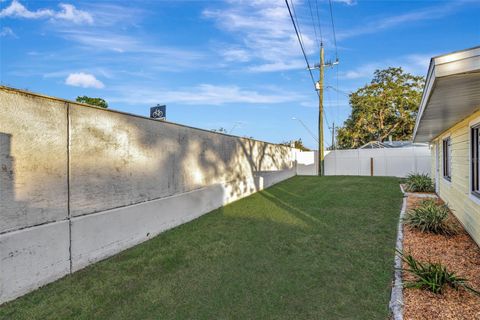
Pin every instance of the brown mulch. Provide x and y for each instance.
(458, 253)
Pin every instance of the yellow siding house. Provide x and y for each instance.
(449, 119)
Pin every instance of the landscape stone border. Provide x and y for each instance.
(396, 298)
(418, 194)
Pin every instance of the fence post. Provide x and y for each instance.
(371, 167)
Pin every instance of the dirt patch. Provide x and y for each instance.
(460, 254)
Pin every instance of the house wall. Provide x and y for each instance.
(456, 193)
(79, 183)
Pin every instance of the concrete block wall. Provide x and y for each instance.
(79, 184)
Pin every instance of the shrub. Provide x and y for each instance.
(432, 276)
(419, 182)
(431, 217)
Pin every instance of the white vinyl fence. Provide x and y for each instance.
(396, 162)
(306, 163)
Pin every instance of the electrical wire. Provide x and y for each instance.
(333, 28)
(337, 100)
(319, 24)
(314, 24)
(298, 33)
(324, 109)
(301, 43)
(296, 22)
(338, 90)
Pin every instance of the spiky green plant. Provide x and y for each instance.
(419, 182)
(431, 217)
(433, 277)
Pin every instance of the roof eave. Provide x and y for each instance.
(456, 63)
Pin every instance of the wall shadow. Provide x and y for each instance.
(116, 160)
(7, 172)
(193, 159)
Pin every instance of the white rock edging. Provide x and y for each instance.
(396, 299)
(418, 194)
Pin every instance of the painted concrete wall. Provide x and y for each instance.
(79, 183)
(396, 162)
(119, 160)
(33, 155)
(456, 193)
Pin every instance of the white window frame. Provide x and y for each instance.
(448, 177)
(471, 194)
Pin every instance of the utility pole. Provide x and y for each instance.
(321, 156)
(319, 86)
(333, 136)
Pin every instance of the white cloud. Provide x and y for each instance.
(67, 12)
(137, 50)
(420, 60)
(17, 10)
(363, 71)
(110, 41)
(236, 54)
(111, 14)
(101, 40)
(347, 2)
(375, 24)
(70, 13)
(202, 94)
(264, 34)
(84, 80)
(294, 64)
(413, 63)
(7, 32)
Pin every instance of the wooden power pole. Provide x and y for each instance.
(321, 155)
(320, 86)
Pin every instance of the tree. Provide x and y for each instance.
(388, 106)
(220, 130)
(99, 102)
(296, 143)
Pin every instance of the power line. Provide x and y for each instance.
(300, 41)
(325, 113)
(306, 128)
(319, 23)
(333, 28)
(336, 75)
(296, 22)
(338, 90)
(314, 24)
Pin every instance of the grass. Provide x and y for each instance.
(307, 248)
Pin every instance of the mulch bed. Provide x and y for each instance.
(458, 253)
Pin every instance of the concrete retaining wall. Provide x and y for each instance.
(79, 184)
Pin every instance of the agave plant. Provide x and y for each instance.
(431, 217)
(419, 182)
(432, 276)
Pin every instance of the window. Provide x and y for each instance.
(447, 159)
(474, 159)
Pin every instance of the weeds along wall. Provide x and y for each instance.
(79, 183)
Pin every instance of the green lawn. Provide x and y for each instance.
(307, 248)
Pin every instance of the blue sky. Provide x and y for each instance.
(232, 64)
